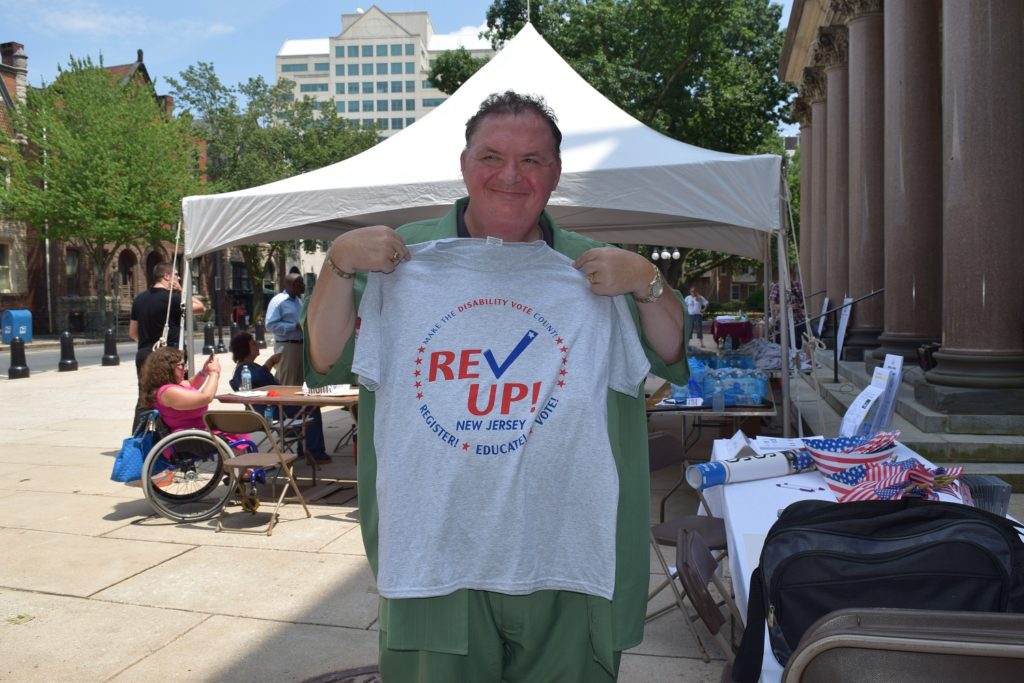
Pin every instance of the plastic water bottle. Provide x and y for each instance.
(268, 414)
(246, 378)
(718, 398)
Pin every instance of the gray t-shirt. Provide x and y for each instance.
(491, 364)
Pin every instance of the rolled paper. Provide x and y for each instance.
(747, 468)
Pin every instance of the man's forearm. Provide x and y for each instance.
(330, 318)
(662, 325)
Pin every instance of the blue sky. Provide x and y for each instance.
(240, 37)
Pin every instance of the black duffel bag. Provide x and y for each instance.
(820, 556)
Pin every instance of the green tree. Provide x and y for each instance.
(257, 133)
(100, 164)
(453, 68)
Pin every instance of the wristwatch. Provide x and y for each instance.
(654, 289)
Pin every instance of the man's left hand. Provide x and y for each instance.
(614, 271)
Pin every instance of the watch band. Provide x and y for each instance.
(655, 288)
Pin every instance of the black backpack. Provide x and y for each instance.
(821, 556)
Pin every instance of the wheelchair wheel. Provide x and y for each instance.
(182, 476)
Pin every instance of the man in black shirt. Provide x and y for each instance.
(149, 311)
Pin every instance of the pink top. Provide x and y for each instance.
(180, 419)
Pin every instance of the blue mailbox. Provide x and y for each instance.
(17, 323)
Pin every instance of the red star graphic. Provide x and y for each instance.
(564, 349)
(565, 361)
(465, 446)
(419, 361)
(419, 394)
(419, 384)
(558, 341)
(421, 349)
(561, 383)
(563, 372)
(416, 374)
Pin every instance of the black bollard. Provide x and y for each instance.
(234, 331)
(110, 356)
(208, 338)
(18, 367)
(261, 340)
(220, 340)
(67, 353)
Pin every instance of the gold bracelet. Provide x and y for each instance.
(341, 273)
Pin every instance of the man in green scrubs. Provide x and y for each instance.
(511, 164)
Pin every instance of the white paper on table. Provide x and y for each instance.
(330, 390)
(774, 444)
(737, 446)
(858, 410)
(249, 394)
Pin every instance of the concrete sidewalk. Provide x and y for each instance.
(95, 587)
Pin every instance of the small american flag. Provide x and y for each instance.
(835, 455)
(893, 480)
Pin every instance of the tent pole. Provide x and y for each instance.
(784, 308)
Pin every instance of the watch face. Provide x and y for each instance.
(656, 289)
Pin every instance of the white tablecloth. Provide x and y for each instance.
(749, 510)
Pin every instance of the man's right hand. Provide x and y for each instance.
(374, 248)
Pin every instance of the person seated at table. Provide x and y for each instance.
(244, 351)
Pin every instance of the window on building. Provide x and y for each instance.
(382, 86)
(5, 267)
(367, 51)
(352, 88)
(367, 87)
(71, 263)
(339, 69)
(367, 105)
(367, 69)
(312, 87)
(382, 50)
(240, 277)
(396, 50)
(410, 67)
(396, 124)
(734, 293)
(352, 69)
(409, 120)
(396, 86)
(410, 86)
(382, 124)
(367, 123)
(410, 49)
(339, 107)
(339, 88)
(396, 105)
(322, 66)
(396, 67)
(433, 101)
(382, 69)
(291, 68)
(353, 106)
(427, 84)
(339, 51)
(352, 51)
(382, 105)
(410, 105)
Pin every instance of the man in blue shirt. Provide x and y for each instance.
(283, 315)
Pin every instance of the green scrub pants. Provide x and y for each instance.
(536, 638)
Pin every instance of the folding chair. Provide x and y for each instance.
(246, 422)
(697, 569)
(881, 644)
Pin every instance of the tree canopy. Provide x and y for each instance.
(99, 163)
(453, 68)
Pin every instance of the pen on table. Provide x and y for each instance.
(800, 488)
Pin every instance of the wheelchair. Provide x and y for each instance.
(183, 475)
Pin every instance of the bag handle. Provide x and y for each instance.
(162, 341)
(747, 666)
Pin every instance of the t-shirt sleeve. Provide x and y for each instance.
(367, 360)
(629, 365)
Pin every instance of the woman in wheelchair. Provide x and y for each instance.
(183, 473)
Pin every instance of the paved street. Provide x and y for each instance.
(95, 587)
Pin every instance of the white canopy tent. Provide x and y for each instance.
(621, 181)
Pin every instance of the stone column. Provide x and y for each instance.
(802, 113)
(814, 82)
(867, 116)
(981, 363)
(830, 53)
(913, 178)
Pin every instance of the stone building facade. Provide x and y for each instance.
(911, 117)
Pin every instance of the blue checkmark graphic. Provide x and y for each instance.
(499, 370)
